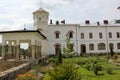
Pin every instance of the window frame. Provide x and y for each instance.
(100, 35)
(90, 35)
(101, 46)
(82, 36)
(91, 46)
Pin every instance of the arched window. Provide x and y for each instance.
(57, 48)
(57, 34)
(91, 46)
(118, 45)
(70, 33)
(101, 46)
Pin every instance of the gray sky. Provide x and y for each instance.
(15, 13)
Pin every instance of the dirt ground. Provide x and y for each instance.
(4, 65)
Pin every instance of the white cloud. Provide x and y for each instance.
(15, 13)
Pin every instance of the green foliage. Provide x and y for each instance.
(111, 50)
(24, 52)
(64, 72)
(27, 76)
(59, 56)
(96, 68)
(37, 69)
(109, 69)
(88, 66)
(68, 50)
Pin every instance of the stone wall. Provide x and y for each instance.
(11, 74)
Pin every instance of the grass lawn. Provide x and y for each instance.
(89, 74)
(82, 68)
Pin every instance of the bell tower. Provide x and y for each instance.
(41, 18)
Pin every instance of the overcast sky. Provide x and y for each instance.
(15, 13)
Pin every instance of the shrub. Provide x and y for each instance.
(82, 62)
(27, 76)
(96, 68)
(109, 69)
(59, 56)
(64, 72)
(88, 66)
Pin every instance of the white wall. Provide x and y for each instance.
(86, 30)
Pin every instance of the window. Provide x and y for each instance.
(91, 46)
(110, 35)
(118, 35)
(100, 35)
(57, 34)
(118, 45)
(101, 46)
(82, 35)
(70, 34)
(90, 35)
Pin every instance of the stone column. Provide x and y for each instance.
(33, 52)
(37, 51)
(40, 50)
(18, 51)
(9, 47)
(3, 50)
(29, 51)
(14, 47)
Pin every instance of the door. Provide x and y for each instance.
(83, 48)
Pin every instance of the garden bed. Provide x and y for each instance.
(4, 65)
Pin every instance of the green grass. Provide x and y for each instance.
(89, 74)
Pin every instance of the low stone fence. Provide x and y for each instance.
(11, 74)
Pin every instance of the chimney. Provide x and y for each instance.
(51, 21)
(98, 23)
(105, 22)
(57, 22)
(87, 22)
(63, 22)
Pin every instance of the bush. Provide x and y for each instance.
(88, 66)
(109, 69)
(59, 57)
(27, 76)
(96, 68)
(81, 62)
(64, 72)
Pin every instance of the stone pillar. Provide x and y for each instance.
(29, 51)
(33, 52)
(37, 51)
(9, 47)
(17, 51)
(3, 50)
(40, 51)
(14, 47)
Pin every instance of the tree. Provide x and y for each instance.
(111, 50)
(59, 56)
(68, 50)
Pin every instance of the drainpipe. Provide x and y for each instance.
(76, 39)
